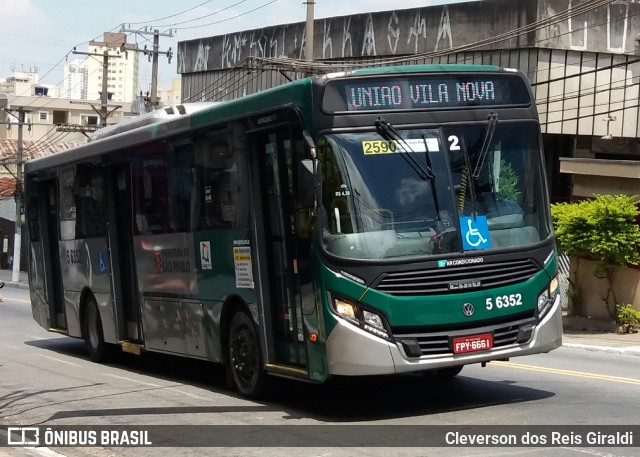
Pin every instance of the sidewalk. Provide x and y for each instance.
(7, 276)
(628, 343)
(619, 343)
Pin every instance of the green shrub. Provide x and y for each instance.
(603, 229)
(628, 318)
(509, 183)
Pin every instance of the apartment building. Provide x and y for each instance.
(122, 68)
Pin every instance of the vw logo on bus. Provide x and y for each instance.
(467, 309)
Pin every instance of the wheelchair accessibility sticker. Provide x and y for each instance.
(475, 233)
(102, 261)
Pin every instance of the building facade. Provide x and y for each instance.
(76, 80)
(122, 68)
(20, 83)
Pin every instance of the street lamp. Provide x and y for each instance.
(608, 119)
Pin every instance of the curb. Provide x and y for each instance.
(19, 285)
(631, 350)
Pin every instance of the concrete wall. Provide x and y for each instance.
(591, 289)
(610, 29)
(594, 176)
(387, 33)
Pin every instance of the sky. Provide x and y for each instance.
(42, 33)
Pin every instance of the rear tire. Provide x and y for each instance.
(245, 358)
(93, 336)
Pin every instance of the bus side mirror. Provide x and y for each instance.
(308, 183)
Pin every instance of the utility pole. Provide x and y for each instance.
(153, 58)
(154, 70)
(308, 50)
(103, 112)
(17, 242)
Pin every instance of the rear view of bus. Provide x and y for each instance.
(435, 235)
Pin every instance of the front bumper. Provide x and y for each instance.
(352, 351)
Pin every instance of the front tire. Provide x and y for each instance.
(245, 358)
(93, 336)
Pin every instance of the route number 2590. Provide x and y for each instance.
(504, 301)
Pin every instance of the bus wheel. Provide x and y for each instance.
(93, 337)
(245, 361)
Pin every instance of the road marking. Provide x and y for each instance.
(57, 360)
(44, 452)
(17, 299)
(197, 397)
(579, 374)
(133, 380)
(36, 337)
(12, 347)
(591, 452)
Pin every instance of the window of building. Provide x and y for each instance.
(60, 117)
(43, 115)
(87, 119)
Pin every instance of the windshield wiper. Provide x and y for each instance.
(466, 181)
(386, 131)
(488, 136)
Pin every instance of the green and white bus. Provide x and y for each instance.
(371, 222)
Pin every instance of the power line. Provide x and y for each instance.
(168, 17)
(230, 18)
(202, 17)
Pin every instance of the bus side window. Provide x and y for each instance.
(33, 216)
(215, 182)
(223, 181)
(182, 180)
(67, 208)
(150, 180)
(89, 199)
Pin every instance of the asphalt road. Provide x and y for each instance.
(46, 380)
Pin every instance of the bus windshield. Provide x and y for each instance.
(421, 193)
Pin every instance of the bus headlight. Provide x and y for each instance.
(373, 323)
(345, 309)
(366, 319)
(553, 289)
(547, 297)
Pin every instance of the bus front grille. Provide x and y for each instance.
(461, 279)
(439, 343)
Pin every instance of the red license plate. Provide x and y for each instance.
(472, 343)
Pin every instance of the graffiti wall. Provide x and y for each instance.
(387, 33)
(567, 24)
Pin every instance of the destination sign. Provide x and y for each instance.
(424, 92)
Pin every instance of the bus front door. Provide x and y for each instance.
(120, 234)
(280, 274)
